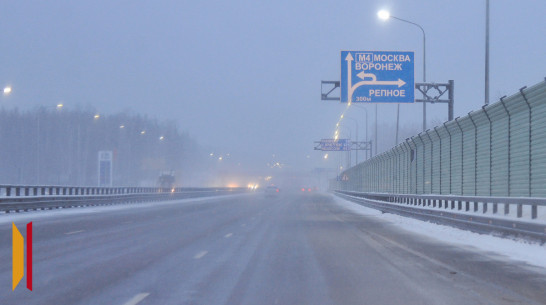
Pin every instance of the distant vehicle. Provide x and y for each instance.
(309, 189)
(166, 180)
(272, 191)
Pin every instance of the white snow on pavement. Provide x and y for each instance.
(518, 250)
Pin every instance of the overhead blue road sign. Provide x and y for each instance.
(335, 145)
(377, 77)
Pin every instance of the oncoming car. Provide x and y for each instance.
(272, 191)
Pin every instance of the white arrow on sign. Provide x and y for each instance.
(374, 80)
(349, 58)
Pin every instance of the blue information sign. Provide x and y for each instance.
(377, 77)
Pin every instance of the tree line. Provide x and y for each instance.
(60, 147)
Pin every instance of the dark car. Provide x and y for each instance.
(272, 191)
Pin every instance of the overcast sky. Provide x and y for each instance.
(243, 77)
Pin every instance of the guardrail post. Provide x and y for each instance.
(495, 208)
(27, 191)
(484, 207)
(476, 204)
(534, 211)
(506, 208)
(8, 191)
(17, 191)
(520, 210)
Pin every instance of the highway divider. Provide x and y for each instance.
(15, 198)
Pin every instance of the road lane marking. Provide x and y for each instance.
(74, 232)
(228, 235)
(137, 298)
(200, 254)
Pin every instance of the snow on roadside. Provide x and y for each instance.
(531, 253)
(34, 215)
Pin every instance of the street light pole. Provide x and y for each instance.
(356, 137)
(386, 15)
(375, 131)
(366, 139)
(486, 52)
(350, 138)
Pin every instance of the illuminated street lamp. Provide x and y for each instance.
(59, 106)
(385, 15)
(7, 90)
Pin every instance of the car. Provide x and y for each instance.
(309, 189)
(272, 191)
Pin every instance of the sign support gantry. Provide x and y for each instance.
(432, 93)
(353, 145)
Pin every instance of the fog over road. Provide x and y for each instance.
(247, 249)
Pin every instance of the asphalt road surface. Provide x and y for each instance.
(248, 249)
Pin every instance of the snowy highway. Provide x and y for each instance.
(298, 248)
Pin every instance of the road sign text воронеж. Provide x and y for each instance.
(377, 76)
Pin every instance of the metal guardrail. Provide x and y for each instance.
(51, 190)
(407, 205)
(25, 198)
(459, 202)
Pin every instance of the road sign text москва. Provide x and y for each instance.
(377, 77)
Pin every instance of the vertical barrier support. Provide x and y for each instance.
(530, 140)
(495, 208)
(534, 211)
(506, 209)
(462, 155)
(423, 183)
(17, 191)
(484, 207)
(450, 152)
(475, 154)
(509, 144)
(520, 210)
(431, 162)
(440, 156)
(490, 148)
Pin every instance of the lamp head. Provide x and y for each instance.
(383, 14)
